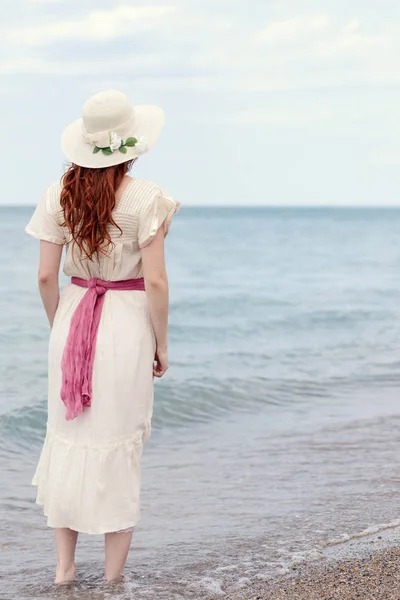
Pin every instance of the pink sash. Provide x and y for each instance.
(79, 351)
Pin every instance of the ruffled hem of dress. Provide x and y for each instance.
(129, 526)
(90, 489)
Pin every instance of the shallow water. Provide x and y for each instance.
(276, 430)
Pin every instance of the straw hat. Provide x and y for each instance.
(111, 131)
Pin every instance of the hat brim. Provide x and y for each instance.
(149, 121)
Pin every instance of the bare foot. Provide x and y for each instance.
(114, 579)
(65, 577)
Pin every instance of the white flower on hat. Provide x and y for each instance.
(115, 141)
(141, 145)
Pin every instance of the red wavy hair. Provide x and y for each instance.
(88, 200)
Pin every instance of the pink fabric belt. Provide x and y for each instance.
(79, 351)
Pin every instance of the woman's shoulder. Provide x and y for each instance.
(55, 187)
(52, 197)
(143, 187)
(139, 195)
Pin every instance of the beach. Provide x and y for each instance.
(367, 570)
(275, 432)
(377, 577)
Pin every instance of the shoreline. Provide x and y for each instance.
(366, 569)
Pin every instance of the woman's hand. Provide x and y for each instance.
(161, 362)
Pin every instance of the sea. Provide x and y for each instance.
(276, 431)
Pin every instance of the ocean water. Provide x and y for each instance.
(276, 430)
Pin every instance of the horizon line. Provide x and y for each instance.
(271, 206)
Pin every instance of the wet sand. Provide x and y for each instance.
(376, 578)
(372, 575)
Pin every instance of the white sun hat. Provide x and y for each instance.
(111, 131)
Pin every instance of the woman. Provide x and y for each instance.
(108, 328)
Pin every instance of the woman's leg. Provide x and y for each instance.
(66, 543)
(117, 548)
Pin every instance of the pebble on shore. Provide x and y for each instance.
(375, 577)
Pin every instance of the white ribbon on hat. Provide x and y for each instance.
(102, 139)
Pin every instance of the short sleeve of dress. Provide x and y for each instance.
(159, 213)
(43, 224)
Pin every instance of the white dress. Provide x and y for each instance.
(88, 476)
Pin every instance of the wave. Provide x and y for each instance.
(181, 403)
(373, 529)
(26, 425)
(191, 401)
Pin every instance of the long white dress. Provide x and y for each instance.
(88, 476)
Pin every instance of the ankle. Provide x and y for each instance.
(114, 577)
(65, 567)
(65, 573)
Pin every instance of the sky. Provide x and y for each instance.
(279, 102)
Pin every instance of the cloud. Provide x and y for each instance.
(44, 1)
(319, 50)
(321, 36)
(98, 25)
(387, 158)
(284, 117)
(24, 65)
(309, 51)
(159, 71)
(292, 29)
(139, 65)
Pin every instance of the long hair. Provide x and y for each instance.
(88, 200)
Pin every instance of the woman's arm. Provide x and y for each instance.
(49, 266)
(156, 284)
